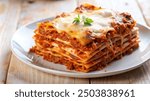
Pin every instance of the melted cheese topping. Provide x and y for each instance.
(101, 24)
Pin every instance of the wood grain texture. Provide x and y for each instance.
(22, 73)
(40, 9)
(8, 23)
(3, 13)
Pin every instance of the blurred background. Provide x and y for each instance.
(30, 10)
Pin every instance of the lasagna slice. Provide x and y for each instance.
(86, 39)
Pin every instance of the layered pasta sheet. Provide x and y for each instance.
(86, 48)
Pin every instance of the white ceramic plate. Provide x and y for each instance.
(22, 41)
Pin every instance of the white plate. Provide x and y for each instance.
(22, 41)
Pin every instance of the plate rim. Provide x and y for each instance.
(72, 74)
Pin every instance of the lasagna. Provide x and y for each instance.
(87, 39)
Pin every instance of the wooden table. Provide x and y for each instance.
(15, 13)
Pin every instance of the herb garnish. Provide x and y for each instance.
(76, 20)
(87, 21)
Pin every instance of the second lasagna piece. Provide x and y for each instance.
(87, 39)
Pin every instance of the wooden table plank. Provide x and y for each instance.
(22, 73)
(8, 23)
(3, 13)
(43, 9)
(134, 76)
